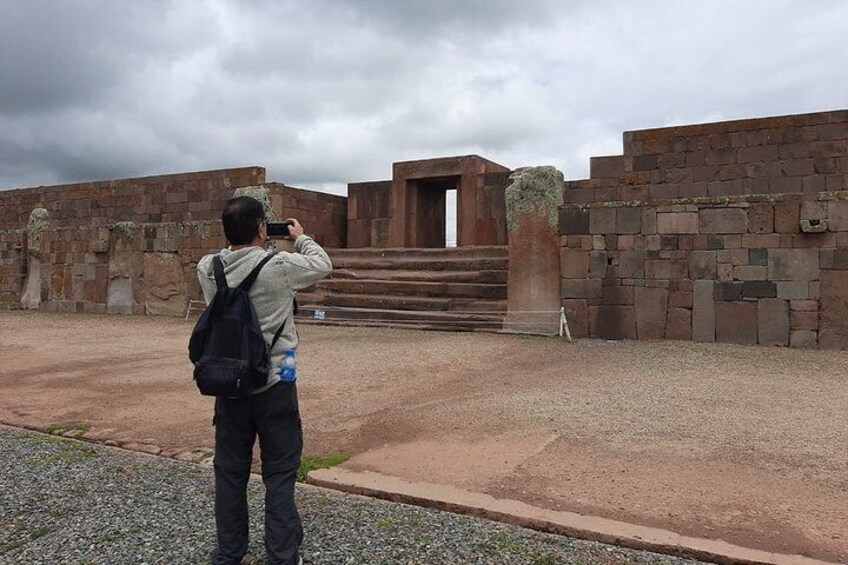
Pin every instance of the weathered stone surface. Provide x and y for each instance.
(786, 217)
(613, 322)
(677, 222)
(602, 220)
(574, 222)
(578, 288)
(803, 339)
(703, 311)
(833, 320)
(837, 215)
(628, 220)
(702, 265)
(533, 198)
(164, 288)
(723, 220)
(39, 221)
(651, 310)
(736, 322)
(759, 289)
(668, 269)
(804, 320)
(120, 296)
(260, 193)
(761, 218)
(597, 264)
(758, 257)
(630, 265)
(728, 291)
(679, 324)
(773, 321)
(574, 263)
(577, 314)
(750, 273)
(793, 264)
(793, 290)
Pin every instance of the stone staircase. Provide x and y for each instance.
(454, 289)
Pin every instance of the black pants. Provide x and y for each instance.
(274, 416)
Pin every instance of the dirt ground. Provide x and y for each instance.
(745, 444)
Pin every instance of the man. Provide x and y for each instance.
(271, 411)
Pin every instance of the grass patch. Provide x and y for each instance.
(77, 429)
(68, 452)
(311, 463)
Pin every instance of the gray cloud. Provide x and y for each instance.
(331, 91)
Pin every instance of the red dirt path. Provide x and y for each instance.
(739, 443)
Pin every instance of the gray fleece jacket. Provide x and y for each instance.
(273, 292)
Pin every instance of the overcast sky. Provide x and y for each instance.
(325, 92)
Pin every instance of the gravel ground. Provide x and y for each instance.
(64, 501)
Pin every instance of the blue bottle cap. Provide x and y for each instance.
(289, 351)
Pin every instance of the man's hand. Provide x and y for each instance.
(295, 229)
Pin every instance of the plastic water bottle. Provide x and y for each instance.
(288, 369)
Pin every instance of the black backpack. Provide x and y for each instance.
(227, 348)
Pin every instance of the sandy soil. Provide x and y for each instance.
(739, 443)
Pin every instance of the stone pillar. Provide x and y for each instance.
(123, 270)
(533, 197)
(39, 221)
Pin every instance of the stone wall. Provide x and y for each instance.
(734, 232)
(166, 198)
(324, 216)
(124, 268)
(369, 208)
(787, 154)
(131, 245)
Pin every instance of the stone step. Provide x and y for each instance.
(414, 288)
(420, 263)
(449, 321)
(483, 277)
(380, 301)
(422, 326)
(480, 252)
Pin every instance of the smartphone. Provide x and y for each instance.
(279, 229)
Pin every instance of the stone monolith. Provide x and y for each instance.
(533, 198)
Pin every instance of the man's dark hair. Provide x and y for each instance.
(241, 218)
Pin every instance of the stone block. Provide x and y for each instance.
(577, 314)
(575, 288)
(681, 299)
(804, 305)
(651, 310)
(703, 311)
(164, 285)
(573, 222)
(773, 322)
(597, 264)
(677, 222)
(679, 324)
(602, 220)
(761, 218)
(837, 215)
(613, 322)
(702, 265)
(750, 273)
(793, 290)
(649, 221)
(758, 257)
(723, 220)
(630, 265)
(622, 295)
(724, 272)
(667, 269)
(759, 289)
(736, 322)
(793, 265)
(574, 264)
(804, 320)
(786, 217)
(728, 291)
(833, 313)
(611, 166)
(628, 220)
(804, 339)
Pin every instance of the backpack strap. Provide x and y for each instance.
(251, 278)
(220, 277)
